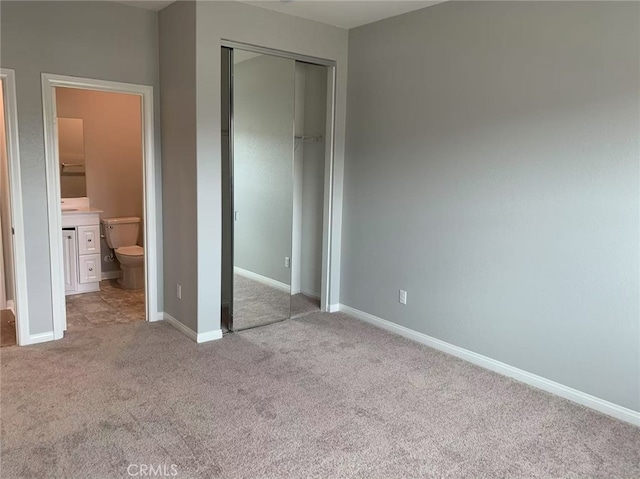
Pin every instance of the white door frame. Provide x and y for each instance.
(3, 295)
(49, 83)
(21, 306)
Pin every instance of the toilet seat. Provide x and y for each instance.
(130, 250)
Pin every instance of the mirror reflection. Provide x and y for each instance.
(274, 118)
(263, 116)
(73, 182)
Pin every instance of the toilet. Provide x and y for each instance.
(121, 235)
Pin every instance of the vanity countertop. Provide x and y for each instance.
(80, 211)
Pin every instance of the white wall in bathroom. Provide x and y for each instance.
(113, 151)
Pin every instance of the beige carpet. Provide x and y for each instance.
(256, 304)
(325, 396)
(302, 305)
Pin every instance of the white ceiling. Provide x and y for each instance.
(340, 13)
(344, 13)
(240, 56)
(148, 4)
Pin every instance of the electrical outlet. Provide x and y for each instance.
(287, 262)
(179, 291)
(403, 297)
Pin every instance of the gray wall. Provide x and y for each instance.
(492, 172)
(216, 21)
(263, 115)
(86, 39)
(178, 105)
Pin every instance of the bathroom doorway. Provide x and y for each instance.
(277, 117)
(101, 176)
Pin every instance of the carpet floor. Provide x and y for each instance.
(325, 396)
(255, 303)
(302, 305)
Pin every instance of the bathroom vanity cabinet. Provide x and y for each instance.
(81, 250)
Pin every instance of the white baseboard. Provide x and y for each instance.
(310, 294)
(606, 407)
(158, 316)
(186, 330)
(111, 274)
(209, 336)
(334, 308)
(190, 333)
(39, 338)
(262, 279)
(82, 288)
(11, 306)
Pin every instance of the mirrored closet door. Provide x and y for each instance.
(273, 122)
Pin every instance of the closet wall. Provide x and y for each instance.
(313, 79)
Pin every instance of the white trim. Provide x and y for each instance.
(38, 338)
(111, 275)
(309, 293)
(262, 279)
(11, 306)
(333, 308)
(209, 336)
(186, 330)
(3, 284)
(49, 83)
(190, 333)
(606, 407)
(21, 304)
(330, 282)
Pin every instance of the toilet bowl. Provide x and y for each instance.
(121, 235)
(131, 260)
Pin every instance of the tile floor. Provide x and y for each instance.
(7, 329)
(110, 305)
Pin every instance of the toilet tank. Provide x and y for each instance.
(121, 231)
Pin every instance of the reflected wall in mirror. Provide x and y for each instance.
(262, 187)
(274, 162)
(308, 187)
(73, 182)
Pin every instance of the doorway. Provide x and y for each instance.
(102, 202)
(8, 334)
(14, 327)
(277, 163)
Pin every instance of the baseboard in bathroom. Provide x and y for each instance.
(11, 306)
(111, 275)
